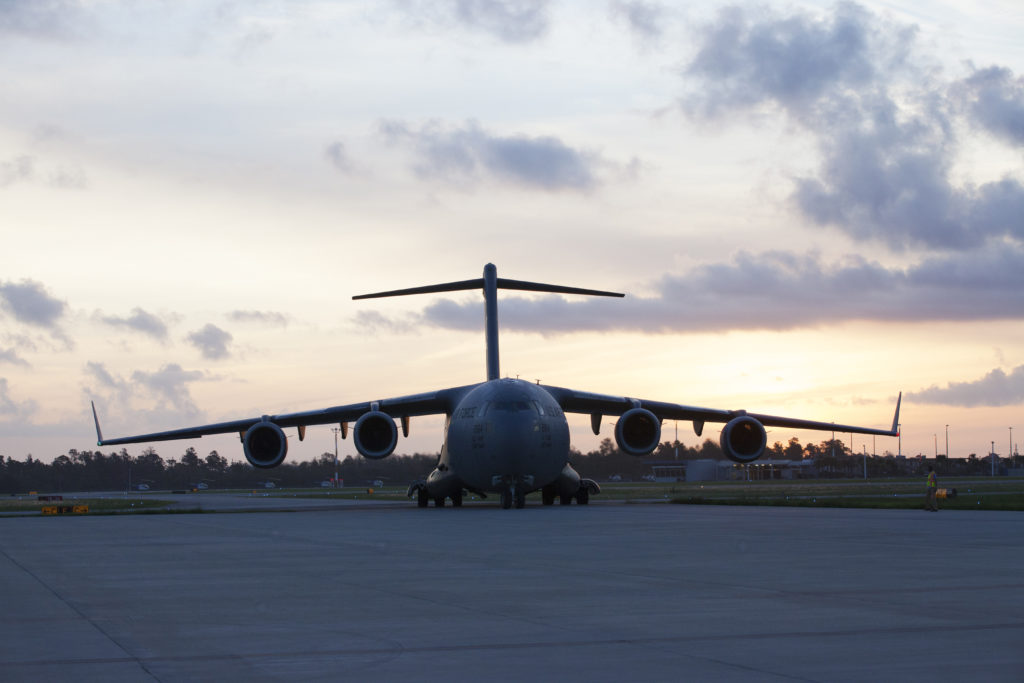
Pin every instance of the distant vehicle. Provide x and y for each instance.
(378, 482)
(615, 477)
(201, 486)
(648, 477)
(502, 435)
(326, 484)
(142, 487)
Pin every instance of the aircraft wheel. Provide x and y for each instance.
(457, 500)
(547, 496)
(439, 502)
(582, 497)
(506, 499)
(520, 499)
(422, 499)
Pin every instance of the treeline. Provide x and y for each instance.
(97, 471)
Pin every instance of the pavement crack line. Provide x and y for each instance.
(499, 646)
(82, 615)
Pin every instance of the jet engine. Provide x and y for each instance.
(743, 439)
(638, 432)
(265, 445)
(375, 435)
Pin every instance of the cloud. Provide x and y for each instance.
(749, 57)
(212, 341)
(374, 321)
(513, 21)
(768, 291)
(994, 389)
(40, 18)
(994, 100)
(510, 21)
(29, 303)
(883, 125)
(645, 19)
(11, 409)
(16, 170)
(169, 386)
(11, 356)
(465, 154)
(271, 318)
(139, 321)
(23, 169)
(338, 157)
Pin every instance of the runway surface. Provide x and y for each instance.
(597, 593)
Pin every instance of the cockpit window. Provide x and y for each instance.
(513, 406)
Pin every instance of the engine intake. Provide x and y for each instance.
(743, 439)
(265, 445)
(375, 435)
(638, 432)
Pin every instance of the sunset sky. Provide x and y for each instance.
(810, 207)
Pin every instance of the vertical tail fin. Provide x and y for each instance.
(490, 283)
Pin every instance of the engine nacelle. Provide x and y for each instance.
(265, 445)
(638, 432)
(375, 435)
(743, 439)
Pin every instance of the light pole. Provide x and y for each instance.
(865, 461)
(1011, 446)
(335, 430)
(992, 458)
(947, 441)
(936, 437)
(899, 440)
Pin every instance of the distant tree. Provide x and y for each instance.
(216, 464)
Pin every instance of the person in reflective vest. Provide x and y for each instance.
(930, 503)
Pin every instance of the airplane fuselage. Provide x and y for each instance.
(505, 434)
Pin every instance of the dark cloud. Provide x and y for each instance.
(11, 356)
(886, 160)
(994, 99)
(645, 19)
(30, 303)
(139, 321)
(338, 157)
(772, 291)
(212, 341)
(271, 318)
(461, 154)
(994, 389)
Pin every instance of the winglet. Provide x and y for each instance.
(99, 434)
(896, 418)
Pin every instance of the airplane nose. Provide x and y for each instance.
(512, 446)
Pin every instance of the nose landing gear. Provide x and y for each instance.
(513, 495)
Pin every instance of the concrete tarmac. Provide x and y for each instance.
(599, 593)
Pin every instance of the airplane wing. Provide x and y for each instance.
(430, 403)
(573, 401)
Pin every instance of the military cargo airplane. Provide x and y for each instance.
(503, 435)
